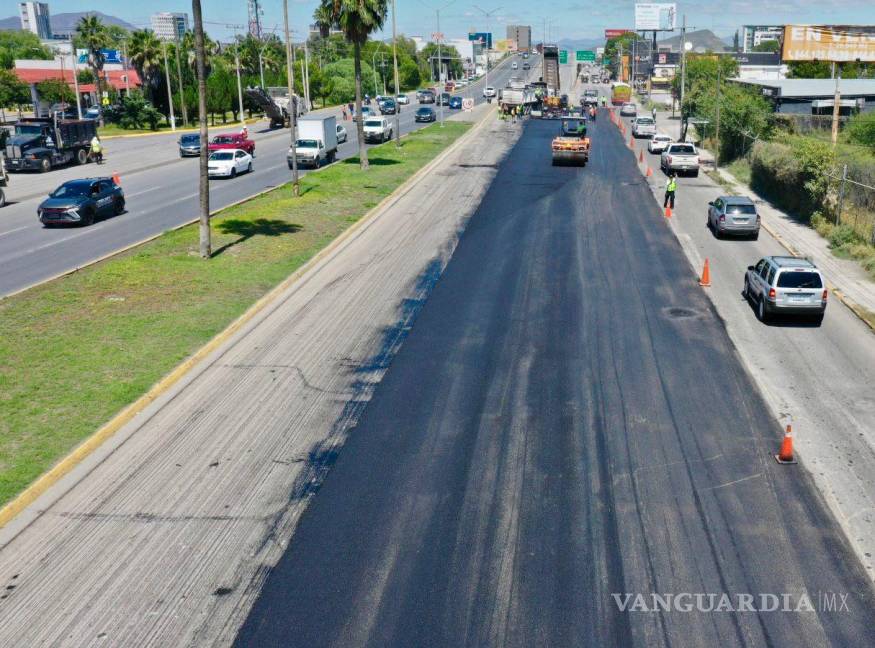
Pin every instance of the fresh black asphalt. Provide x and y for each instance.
(566, 420)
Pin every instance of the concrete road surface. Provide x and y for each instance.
(567, 427)
(161, 191)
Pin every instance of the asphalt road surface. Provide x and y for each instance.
(567, 421)
(161, 191)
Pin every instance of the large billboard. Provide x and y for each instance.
(484, 38)
(655, 17)
(828, 43)
(614, 33)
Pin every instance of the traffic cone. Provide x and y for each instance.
(668, 212)
(631, 142)
(116, 178)
(706, 275)
(649, 172)
(785, 456)
(641, 156)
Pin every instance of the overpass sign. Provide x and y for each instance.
(584, 56)
(563, 57)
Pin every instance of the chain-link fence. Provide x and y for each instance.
(855, 202)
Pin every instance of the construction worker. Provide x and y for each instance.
(670, 188)
(96, 149)
(581, 129)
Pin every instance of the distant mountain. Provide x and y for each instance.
(703, 41)
(572, 44)
(66, 22)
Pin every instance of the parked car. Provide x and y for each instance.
(377, 129)
(424, 114)
(734, 215)
(488, 91)
(388, 107)
(643, 127)
(190, 145)
(81, 202)
(456, 103)
(658, 143)
(782, 285)
(402, 99)
(232, 141)
(427, 97)
(628, 109)
(680, 157)
(227, 163)
(342, 135)
(92, 113)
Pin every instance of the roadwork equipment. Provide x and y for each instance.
(785, 456)
(706, 275)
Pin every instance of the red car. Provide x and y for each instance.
(233, 141)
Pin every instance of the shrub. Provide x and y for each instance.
(861, 129)
(843, 235)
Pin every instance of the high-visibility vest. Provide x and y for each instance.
(672, 185)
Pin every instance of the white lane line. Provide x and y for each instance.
(17, 229)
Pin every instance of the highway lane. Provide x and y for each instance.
(567, 421)
(159, 197)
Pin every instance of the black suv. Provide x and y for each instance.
(81, 202)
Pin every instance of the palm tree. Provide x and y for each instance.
(93, 36)
(323, 17)
(204, 185)
(144, 53)
(357, 19)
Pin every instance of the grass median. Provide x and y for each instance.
(76, 350)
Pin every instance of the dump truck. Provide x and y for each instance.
(620, 93)
(40, 143)
(275, 104)
(551, 67)
(571, 146)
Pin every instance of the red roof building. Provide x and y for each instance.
(31, 74)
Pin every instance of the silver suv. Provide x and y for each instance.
(644, 127)
(734, 215)
(786, 286)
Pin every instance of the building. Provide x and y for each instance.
(169, 25)
(763, 66)
(520, 36)
(315, 32)
(815, 96)
(756, 34)
(35, 18)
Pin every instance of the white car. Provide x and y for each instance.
(488, 91)
(342, 135)
(402, 99)
(658, 143)
(628, 109)
(377, 129)
(514, 65)
(228, 163)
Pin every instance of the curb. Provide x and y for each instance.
(193, 129)
(65, 465)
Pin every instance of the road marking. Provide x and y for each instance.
(14, 230)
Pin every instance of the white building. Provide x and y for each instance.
(35, 18)
(169, 25)
(756, 34)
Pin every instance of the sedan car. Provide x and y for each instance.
(388, 107)
(228, 163)
(455, 103)
(735, 215)
(342, 135)
(92, 113)
(81, 202)
(424, 114)
(402, 99)
(443, 99)
(190, 145)
(628, 109)
(658, 143)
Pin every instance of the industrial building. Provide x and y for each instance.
(815, 96)
(754, 35)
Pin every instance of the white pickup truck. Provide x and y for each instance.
(680, 157)
(316, 143)
(377, 129)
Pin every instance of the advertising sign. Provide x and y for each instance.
(600, 51)
(563, 57)
(614, 33)
(484, 38)
(828, 43)
(110, 56)
(655, 17)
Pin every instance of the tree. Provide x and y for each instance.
(449, 55)
(861, 129)
(92, 34)
(55, 91)
(357, 19)
(204, 184)
(20, 44)
(12, 91)
(409, 73)
(736, 47)
(768, 46)
(145, 55)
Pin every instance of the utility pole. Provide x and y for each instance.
(124, 67)
(488, 15)
(204, 179)
(239, 84)
(293, 107)
(397, 85)
(683, 70)
(717, 132)
(179, 78)
(169, 93)
(75, 81)
(837, 101)
(307, 75)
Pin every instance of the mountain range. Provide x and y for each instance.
(63, 23)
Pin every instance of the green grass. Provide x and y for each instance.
(75, 351)
(740, 168)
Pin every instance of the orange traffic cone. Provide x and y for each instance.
(631, 142)
(785, 456)
(641, 156)
(649, 172)
(116, 179)
(706, 275)
(668, 212)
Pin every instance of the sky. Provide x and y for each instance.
(572, 19)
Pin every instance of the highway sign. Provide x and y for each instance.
(563, 57)
(584, 55)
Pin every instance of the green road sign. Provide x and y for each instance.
(563, 57)
(584, 55)
(606, 61)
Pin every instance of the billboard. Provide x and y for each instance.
(614, 33)
(110, 56)
(655, 17)
(505, 45)
(828, 43)
(484, 38)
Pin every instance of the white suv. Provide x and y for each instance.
(785, 285)
(377, 129)
(644, 127)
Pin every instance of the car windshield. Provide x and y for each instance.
(684, 149)
(662, 138)
(647, 121)
(28, 129)
(799, 279)
(190, 139)
(373, 122)
(423, 111)
(72, 189)
(223, 139)
(307, 143)
(222, 155)
(741, 209)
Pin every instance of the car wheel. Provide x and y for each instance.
(119, 206)
(89, 218)
(755, 235)
(45, 165)
(249, 168)
(234, 172)
(762, 311)
(745, 291)
(817, 320)
(81, 156)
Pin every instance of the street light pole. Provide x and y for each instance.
(169, 93)
(293, 109)
(179, 78)
(397, 85)
(488, 15)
